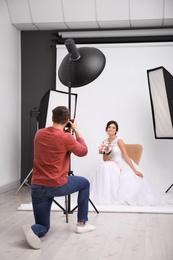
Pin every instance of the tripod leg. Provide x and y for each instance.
(24, 182)
(74, 209)
(63, 209)
(168, 188)
(66, 208)
(91, 204)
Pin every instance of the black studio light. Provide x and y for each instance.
(79, 67)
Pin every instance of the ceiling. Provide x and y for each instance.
(122, 16)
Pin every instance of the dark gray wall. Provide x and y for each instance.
(38, 66)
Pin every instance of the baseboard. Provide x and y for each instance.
(9, 186)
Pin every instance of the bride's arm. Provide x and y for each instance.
(127, 158)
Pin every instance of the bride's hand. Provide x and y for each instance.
(106, 157)
(139, 174)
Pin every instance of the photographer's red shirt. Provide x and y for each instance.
(52, 149)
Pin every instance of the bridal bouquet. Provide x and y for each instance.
(105, 148)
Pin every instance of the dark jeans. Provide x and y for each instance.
(42, 197)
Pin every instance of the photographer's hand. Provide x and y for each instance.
(74, 128)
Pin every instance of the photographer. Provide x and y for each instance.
(52, 148)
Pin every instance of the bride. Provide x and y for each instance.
(118, 180)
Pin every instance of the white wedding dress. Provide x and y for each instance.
(114, 182)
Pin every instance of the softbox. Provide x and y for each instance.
(49, 101)
(160, 83)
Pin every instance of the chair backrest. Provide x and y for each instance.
(134, 151)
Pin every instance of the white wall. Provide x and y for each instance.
(10, 100)
(121, 93)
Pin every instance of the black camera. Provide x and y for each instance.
(68, 124)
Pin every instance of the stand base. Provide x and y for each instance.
(67, 209)
(24, 182)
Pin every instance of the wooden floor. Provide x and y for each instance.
(118, 236)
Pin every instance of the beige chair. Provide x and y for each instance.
(134, 151)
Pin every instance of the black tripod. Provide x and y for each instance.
(68, 209)
(79, 68)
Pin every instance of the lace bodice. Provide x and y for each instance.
(116, 153)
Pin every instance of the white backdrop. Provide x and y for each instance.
(121, 93)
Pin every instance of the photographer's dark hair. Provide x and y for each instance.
(60, 114)
(112, 122)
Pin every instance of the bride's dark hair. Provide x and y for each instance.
(112, 122)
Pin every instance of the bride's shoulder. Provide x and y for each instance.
(117, 138)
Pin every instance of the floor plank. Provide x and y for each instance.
(118, 236)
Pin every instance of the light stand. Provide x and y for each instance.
(33, 113)
(78, 68)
